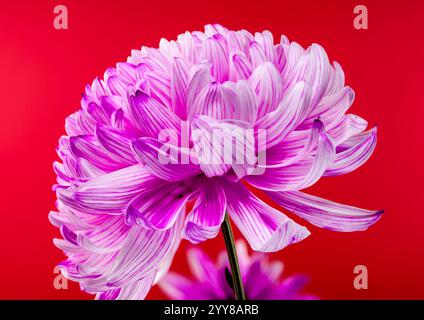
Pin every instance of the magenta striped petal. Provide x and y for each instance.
(212, 151)
(294, 148)
(215, 50)
(349, 126)
(266, 81)
(216, 101)
(142, 254)
(179, 87)
(117, 142)
(265, 40)
(199, 78)
(257, 54)
(241, 67)
(87, 147)
(159, 206)
(159, 84)
(105, 237)
(134, 291)
(207, 215)
(163, 160)
(326, 214)
(287, 116)
(265, 228)
(150, 117)
(353, 154)
(299, 175)
(331, 108)
(117, 86)
(247, 105)
(108, 193)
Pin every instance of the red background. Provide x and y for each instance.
(43, 73)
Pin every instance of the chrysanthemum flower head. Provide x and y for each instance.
(196, 122)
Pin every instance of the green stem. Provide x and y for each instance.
(232, 257)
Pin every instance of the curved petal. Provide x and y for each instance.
(299, 175)
(353, 153)
(311, 66)
(142, 254)
(87, 147)
(179, 86)
(331, 108)
(215, 100)
(159, 84)
(104, 237)
(288, 115)
(294, 148)
(215, 50)
(108, 193)
(265, 228)
(247, 106)
(158, 207)
(117, 142)
(137, 290)
(240, 67)
(164, 161)
(150, 116)
(222, 144)
(349, 126)
(266, 40)
(266, 82)
(207, 215)
(326, 214)
(257, 54)
(199, 78)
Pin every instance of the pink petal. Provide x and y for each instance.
(326, 214)
(117, 142)
(266, 82)
(150, 116)
(215, 51)
(220, 145)
(163, 160)
(215, 100)
(332, 108)
(295, 147)
(137, 290)
(266, 41)
(207, 215)
(179, 87)
(298, 175)
(311, 66)
(265, 228)
(159, 86)
(142, 254)
(159, 206)
(87, 147)
(240, 67)
(257, 54)
(117, 86)
(108, 193)
(247, 105)
(105, 237)
(199, 78)
(288, 115)
(336, 81)
(353, 153)
(349, 126)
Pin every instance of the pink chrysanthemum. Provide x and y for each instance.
(212, 280)
(122, 210)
